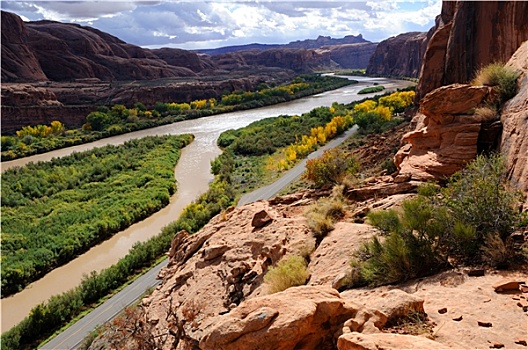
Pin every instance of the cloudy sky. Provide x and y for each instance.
(210, 24)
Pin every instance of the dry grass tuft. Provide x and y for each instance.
(288, 273)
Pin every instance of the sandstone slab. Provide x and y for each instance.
(360, 341)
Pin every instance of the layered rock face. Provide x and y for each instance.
(470, 35)
(445, 138)
(514, 118)
(352, 56)
(399, 56)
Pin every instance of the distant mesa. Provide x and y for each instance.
(54, 51)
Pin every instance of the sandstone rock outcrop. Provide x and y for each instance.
(298, 318)
(399, 56)
(514, 118)
(445, 138)
(470, 35)
(214, 270)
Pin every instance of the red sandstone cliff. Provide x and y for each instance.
(399, 56)
(447, 135)
(469, 35)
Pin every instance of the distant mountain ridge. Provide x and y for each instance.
(299, 44)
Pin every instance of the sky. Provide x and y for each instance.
(210, 24)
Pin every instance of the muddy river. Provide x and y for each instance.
(192, 174)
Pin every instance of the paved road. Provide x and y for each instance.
(72, 337)
(270, 191)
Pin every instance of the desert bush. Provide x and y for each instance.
(486, 113)
(468, 221)
(322, 214)
(503, 78)
(496, 252)
(410, 249)
(385, 220)
(478, 196)
(331, 167)
(289, 272)
(319, 224)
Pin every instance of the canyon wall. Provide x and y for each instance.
(448, 134)
(399, 56)
(469, 35)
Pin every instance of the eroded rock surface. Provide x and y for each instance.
(213, 271)
(399, 56)
(446, 134)
(469, 35)
(514, 118)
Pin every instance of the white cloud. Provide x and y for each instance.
(192, 24)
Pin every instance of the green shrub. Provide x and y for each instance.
(410, 249)
(467, 221)
(477, 196)
(289, 272)
(385, 220)
(503, 78)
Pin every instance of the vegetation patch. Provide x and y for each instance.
(47, 317)
(467, 222)
(371, 89)
(119, 119)
(323, 213)
(502, 78)
(52, 211)
(289, 272)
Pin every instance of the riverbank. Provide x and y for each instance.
(118, 120)
(193, 177)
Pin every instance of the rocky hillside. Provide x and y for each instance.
(67, 52)
(47, 50)
(348, 56)
(213, 295)
(399, 56)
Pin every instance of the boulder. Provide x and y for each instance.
(330, 262)
(297, 318)
(396, 304)
(453, 99)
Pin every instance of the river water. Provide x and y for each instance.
(192, 174)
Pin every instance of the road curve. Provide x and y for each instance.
(72, 337)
